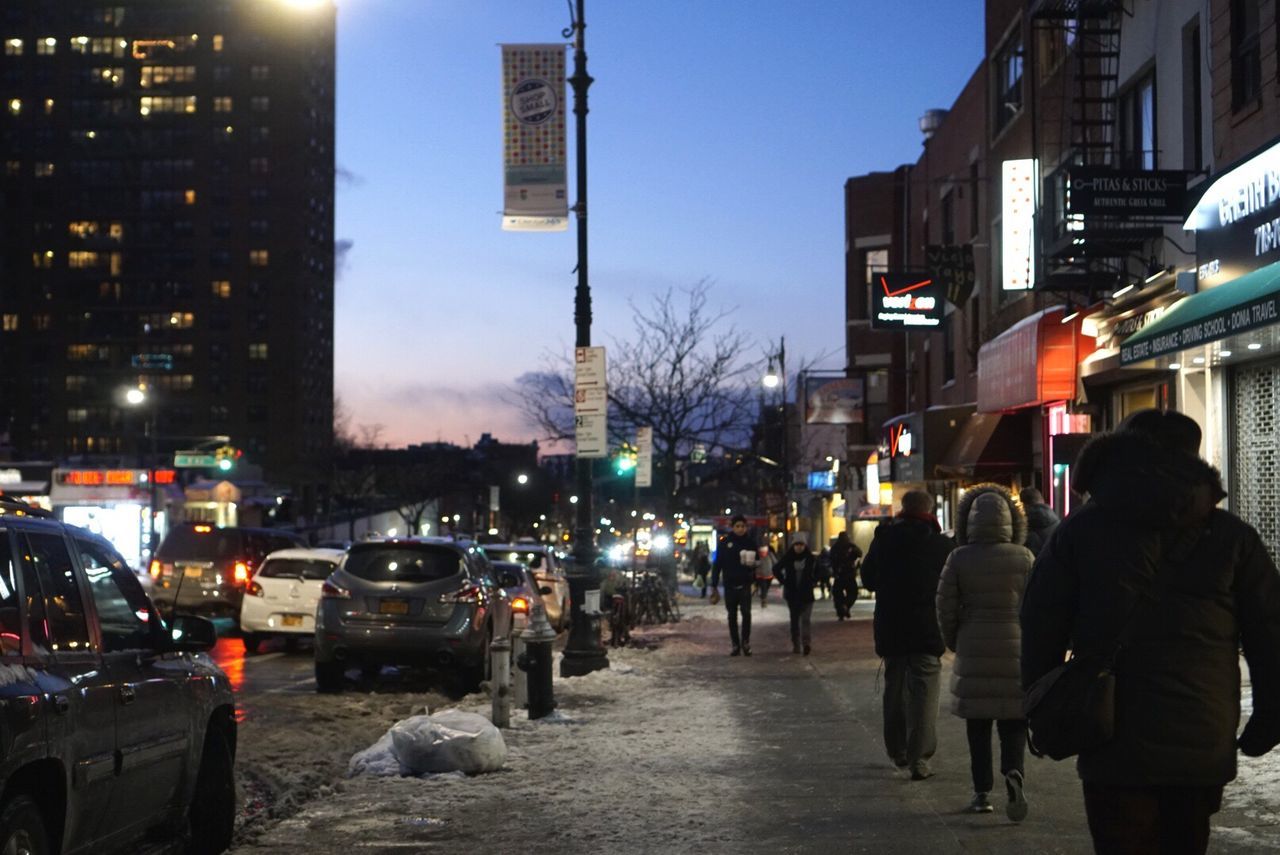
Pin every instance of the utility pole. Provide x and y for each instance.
(583, 652)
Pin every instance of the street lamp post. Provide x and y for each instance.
(773, 380)
(583, 652)
(137, 396)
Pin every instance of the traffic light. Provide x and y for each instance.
(227, 456)
(625, 460)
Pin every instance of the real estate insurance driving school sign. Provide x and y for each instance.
(533, 144)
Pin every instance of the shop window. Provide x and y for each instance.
(1246, 55)
(1007, 77)
(1137, 125)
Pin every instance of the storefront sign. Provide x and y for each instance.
(1111, 333)
(1017, 223)
(533, 126)
(906, 300)
(952, 268)
(833, 400)
(822, 481)
(1237, 220)
(1263, 311)
(1101, 191)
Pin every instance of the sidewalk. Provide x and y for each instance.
(679, 749)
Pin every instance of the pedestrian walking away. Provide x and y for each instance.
(1185, 586)
(735, 561)
(701, 568)
(844, 574)
(798, 573)
(903, 565)
(1041, 519)
(764, 573)
(978, 600)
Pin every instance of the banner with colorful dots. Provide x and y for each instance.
(533, 150)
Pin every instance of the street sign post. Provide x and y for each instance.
(194, 460)
(590, 402)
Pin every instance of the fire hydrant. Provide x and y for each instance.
(536, 662)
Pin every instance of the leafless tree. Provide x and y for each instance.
(682, 372)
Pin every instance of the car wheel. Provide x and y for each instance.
(252, 641)
(213, 805)
(22, 827)
(328, 677)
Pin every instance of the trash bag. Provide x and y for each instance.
(449, 741)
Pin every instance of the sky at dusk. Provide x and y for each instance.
(720, 138)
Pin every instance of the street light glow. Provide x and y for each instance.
(522, 478)
(135, 396)
(771, 379)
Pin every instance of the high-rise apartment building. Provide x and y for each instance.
(166, 193)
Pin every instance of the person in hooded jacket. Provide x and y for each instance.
(978, 599)
(1190, 586)
(844, 571)
(902, 567)
(1041, 519)
(798, 572)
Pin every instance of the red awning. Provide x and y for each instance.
(1031, 363)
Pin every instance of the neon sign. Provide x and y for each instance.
(903, 300)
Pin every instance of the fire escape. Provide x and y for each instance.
(1079, 110)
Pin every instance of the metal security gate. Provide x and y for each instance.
(1255, 471)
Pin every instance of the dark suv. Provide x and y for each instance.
(115, 732)
(410, 601)
(200, 568)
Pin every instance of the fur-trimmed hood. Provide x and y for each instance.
(989, 513)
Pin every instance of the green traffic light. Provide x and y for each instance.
(225, 465)
(626, 464)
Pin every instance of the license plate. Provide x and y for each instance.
(394, 607)
(291, 620)
(192, 572)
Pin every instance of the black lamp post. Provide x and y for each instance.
(772, 380)
(583, 652)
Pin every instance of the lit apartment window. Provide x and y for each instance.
(217, 44)
(222, 289)
(48, 106)
(80, 44)
(258, 350)
(77, 415)
(222, 104)
(107, 75)
(80, 260)
(76, 382)
(42, 260)
(44, 169)
(259, 103)
(9, 322)
(13, 47)
(259, 258)
(161, 75)
(189, 197)
(15, 106)
(152, 104)
(46, 46)
(115, 231)
(182, 320)
(82, 228)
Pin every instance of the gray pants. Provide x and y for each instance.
(911, 688)
(801, 616)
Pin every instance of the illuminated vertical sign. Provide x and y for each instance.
(1017, 233)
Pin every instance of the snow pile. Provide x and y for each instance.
(449, 741)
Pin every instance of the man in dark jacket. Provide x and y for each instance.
(1041, 519)
(902, 566)
(736, 554)
(844, 571)
(1190, 585)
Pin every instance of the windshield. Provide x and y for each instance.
(403, 563)
(294, 568)
(200, 543)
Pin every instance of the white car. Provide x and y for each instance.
(281, 597)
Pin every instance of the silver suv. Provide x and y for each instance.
(410, 601)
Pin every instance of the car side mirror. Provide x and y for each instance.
(545, 589)
(192, 634)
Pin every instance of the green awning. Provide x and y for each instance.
(1241, 305)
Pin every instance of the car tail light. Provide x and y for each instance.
(520, 606)
(240, 573)
(154, 569)
(468, 593)
(333, 592)
(254, 589)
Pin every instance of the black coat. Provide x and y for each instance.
(1150, 525)
(844, 559)
(728, 561)
(1041, 522)
(799, 575)
(902, 566)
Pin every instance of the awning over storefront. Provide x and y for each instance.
(1246, 303)
(1032, 362)
(989, 444)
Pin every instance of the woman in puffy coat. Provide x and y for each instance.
(979, 595)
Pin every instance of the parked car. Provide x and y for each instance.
(115, 734)
(200, 568)
(282, 595)
(541, 559)
(522, 589)
(410, 601)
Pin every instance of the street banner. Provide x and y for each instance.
(644, 457)
(834, 400)
(590, 402)
(533, 128)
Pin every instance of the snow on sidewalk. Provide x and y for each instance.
(635, 758)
